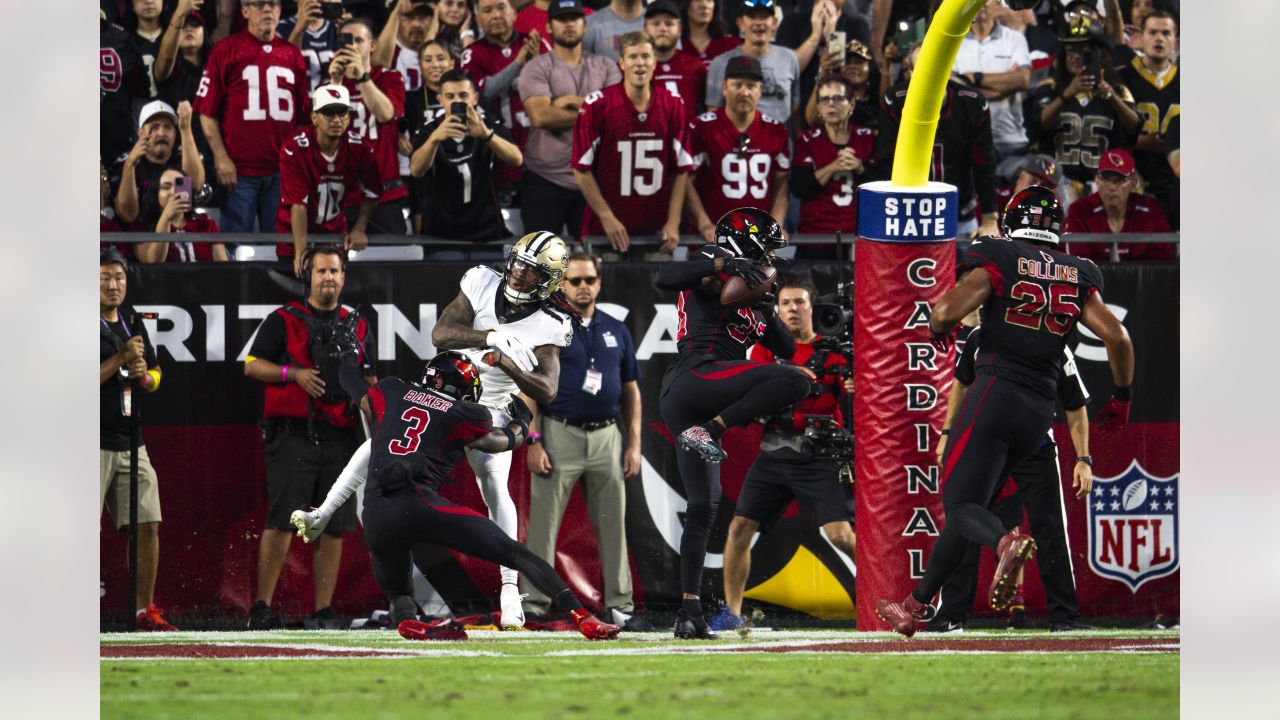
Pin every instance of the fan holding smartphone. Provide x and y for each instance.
(169, 204)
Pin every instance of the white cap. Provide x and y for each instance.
(156, 107)
(327, 95)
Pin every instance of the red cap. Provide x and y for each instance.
(1116, 161)
(193, 15)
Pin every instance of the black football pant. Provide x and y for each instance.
(388, 218)
(1039, 482)
(1000, 424)
(398, 519)
(692, 394)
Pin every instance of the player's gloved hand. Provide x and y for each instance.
(518, 410)
(514, 348)
(344, 343)
(766, 306)
(745, 269)
(942, 341)
(1114, 416)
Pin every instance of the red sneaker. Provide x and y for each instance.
(1012, 552)
(418, 630)
(592, 628)
(903, 616)
(152, 621)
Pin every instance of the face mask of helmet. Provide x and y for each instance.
(536, 264)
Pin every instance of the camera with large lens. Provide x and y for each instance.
(827, 439)
(329, 342)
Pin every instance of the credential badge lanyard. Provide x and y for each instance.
(594, 379)
(126, 392)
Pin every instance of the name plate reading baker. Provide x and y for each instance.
(912, 215)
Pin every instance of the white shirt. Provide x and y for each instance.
(482, 285)
(1004, 50)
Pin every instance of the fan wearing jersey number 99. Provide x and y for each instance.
(630, 153)
(319, 168)
(741, 155)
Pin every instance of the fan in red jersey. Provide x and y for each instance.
(831, 162)
(630, 153)
(494, 62)
(170, 206)
(377, 104)
(318, 169)
(251, 97)
(679, 71)
(741, 156)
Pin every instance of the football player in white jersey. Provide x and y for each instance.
(510, 326)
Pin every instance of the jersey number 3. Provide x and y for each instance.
(418, 419)
(1033, 301)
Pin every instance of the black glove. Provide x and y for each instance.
(518, 411)
(745, 269)
(766, 306)
(344, 343)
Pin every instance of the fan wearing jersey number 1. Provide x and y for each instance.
(630, 154)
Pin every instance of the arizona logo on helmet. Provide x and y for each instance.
(1133, 526)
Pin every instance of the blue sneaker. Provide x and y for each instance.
(725, 621)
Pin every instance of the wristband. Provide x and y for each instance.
(944, 431)
(362, 79)
(534, 438)
(490, 136)
(155, 380)
(284, 374)
(1124, 394)
(511, 438)
(1086, 459)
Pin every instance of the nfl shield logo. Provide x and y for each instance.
(1133, 526)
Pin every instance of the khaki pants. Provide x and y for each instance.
(113, 476)
(596, 457)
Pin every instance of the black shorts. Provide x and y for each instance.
(301, 472)
(777, 478)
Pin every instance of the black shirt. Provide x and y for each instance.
(1156, 104)
(1071, 390)
(121, 78)
(114, 425)
(457, 198)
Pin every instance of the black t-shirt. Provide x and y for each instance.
(148, 51)
(114, 425)
(457, 198)
(418, 434)
(146, 175)
(121, 78)
(1037, 295)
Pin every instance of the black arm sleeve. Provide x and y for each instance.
(351, 375)
(965, 360)
(684, 275)
(983, 162)
(778, 339)
(804, 182)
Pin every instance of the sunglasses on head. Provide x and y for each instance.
(589, 280)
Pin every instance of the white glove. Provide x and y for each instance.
(514, 348)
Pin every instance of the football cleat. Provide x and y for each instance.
(903, 616)
(629, 622)
(418, 630)
(309, 523)
(725, 620)
(593, 628)
(698, 439)
(260, 617)
(692, 627)
(1012, 552)
(512, 607)
(151, 620)
(943, 626)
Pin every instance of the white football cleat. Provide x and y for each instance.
(309, 524)
(512, 607)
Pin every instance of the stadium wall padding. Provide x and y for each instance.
(201, 432)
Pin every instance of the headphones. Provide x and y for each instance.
(310, 252)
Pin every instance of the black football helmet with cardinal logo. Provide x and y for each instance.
(751, 233)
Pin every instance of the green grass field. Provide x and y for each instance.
(800, 674)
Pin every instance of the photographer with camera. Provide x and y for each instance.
(454, 154)
(309, 425)
(806, 454)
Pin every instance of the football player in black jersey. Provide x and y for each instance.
(711, 386)
(420, 431)
(1031, 295)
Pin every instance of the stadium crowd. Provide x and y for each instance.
(476, 121)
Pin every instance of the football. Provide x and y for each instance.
(1135, 494)
(737, 294)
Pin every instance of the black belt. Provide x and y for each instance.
(584, 424)
(321, 429)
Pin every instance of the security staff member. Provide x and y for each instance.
(786, 468)
(581, 439)
(309, 427)
(1039, 486)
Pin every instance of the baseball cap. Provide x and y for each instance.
(859, 49)
(194, 15)
(1116, 161)
(1043, 168)
(743, 66)
(662, 7)
(154, 108)
(749, 5)
(328, 96)
(564, 8)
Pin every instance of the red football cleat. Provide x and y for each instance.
(903, 616)
(418, 630)
(152, 621)
(592, 628)
(1012, 552)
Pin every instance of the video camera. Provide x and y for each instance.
(833, 321)
(329, 341)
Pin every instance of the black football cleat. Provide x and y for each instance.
(692, 627)
(698, 439)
